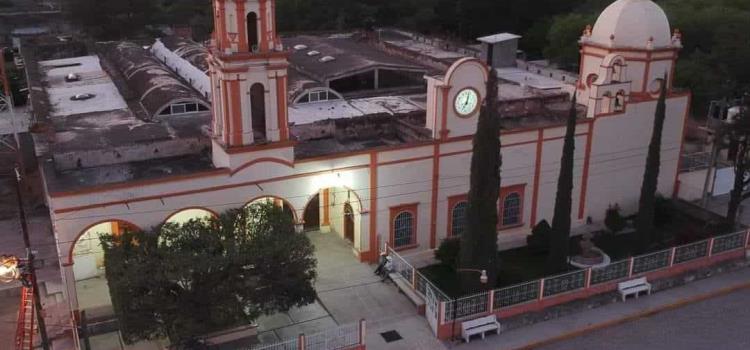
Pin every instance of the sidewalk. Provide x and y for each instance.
(574, 325)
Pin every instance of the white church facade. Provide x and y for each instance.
(412, 193)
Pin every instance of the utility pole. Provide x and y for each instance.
(30, 256)
(19, 170)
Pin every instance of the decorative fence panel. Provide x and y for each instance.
(651, 262)
(517, 294)
(338, 338)
(728, 242)
(401, 266)
(342, 337)
(467, 306)
(611, 272)
(564, 283)
(691, 252)
(291, 344)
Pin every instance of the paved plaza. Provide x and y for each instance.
(718, 323)
(349, 291)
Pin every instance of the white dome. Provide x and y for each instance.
(633, 23)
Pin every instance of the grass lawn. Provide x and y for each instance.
(516, 266)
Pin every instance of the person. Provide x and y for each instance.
(387, 268)
(381, 263)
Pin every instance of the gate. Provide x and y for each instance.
(432, 308)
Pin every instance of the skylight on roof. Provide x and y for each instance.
(300, 47)
(325, 59)
(313, 53)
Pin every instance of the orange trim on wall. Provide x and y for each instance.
(202, 190)
(80, 234)
(236, 114)
(504, 192)
(585, 176)
(452, 202)
(537, 175)
(262, 160)
(326, 207)
(373, 252)
(263, 26)
(675, 190)
(212, 212)
(225, 112)
(241, 25)
(434, 202)
(396, 211)
(444, 123)
(281, 106)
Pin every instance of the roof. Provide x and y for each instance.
(188, 50)
(632, 23)
(156, 85)
(93, 80)
(525, 78)
(351, 56)
(498, 38)
(306, 113)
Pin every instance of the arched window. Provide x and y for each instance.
(403, 229)
(252, 32)
(458, 218)
(511, 209)
(258, 111)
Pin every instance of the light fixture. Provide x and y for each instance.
(9, 270)
(483, 278)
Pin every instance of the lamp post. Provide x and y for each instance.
(483, 279)
(14, 269)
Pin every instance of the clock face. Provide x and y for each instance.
(467, 101)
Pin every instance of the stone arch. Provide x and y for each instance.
(190, 213)
(89, 227)
(285, 205)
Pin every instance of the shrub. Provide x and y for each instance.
(447, 252)
(539, 241)
(614, 220)
(664, 211)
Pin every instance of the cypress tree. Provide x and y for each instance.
(644, 223)
(558, 258)
(479, 241)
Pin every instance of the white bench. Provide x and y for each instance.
(479, 326)
(634, 287)
(404, 287)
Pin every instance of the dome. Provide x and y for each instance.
(633, 23)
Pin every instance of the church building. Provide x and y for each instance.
(367, 136)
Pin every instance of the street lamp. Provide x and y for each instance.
(483, 279)
(9, 269)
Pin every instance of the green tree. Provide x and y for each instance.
(563, 36)
(184, 281)
(558, 258)
(644, 223)
(479, 241)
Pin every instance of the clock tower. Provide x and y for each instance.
(248, 69)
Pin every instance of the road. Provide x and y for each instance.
(719, 323)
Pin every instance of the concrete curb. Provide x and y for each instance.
(628, 318)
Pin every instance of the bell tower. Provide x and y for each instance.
(248, 69)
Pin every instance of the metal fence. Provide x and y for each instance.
(690, 252)
(728, 242)
(695, 161)
(651, 262)
(342, 337)
(518, 294)
(483, 303)
(611, 272)
(467, 306)
(417, 280)
(564, 283)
